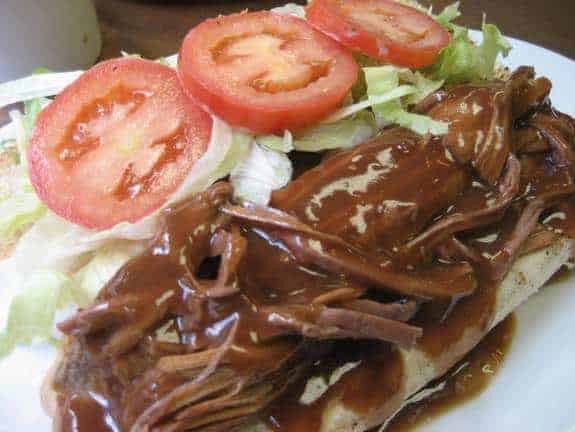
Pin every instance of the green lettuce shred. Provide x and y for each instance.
(449, 14)
(32, 312)
(18, 211)
(31, 111)
(260, 172)
(41, 70)
(237, 151)
(383, 79)
(90, 279)
(345, 133)
(276, 143)
(19, 204)
(465, 61)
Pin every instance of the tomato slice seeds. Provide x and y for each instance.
(116, 143)
(382, 29)
(264, 71)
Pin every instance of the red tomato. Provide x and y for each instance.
(264, 71)
(115, 143)
(382, 29)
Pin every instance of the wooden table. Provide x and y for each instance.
(156, 28)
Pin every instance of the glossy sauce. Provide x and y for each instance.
(368, 380)
(365, 197)
(377, 197)
(375, 384)
(466, 380)
(562, 218)
(88, 412)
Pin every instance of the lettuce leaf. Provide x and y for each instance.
(36, 86)
(345, 133)
(40, 297)
(32, 311)
(464, 61)
(373, 99)
(393, 113)
(380, 80)
(273, 142)
(48, 276)
(31, 111)
(19, 205)
(425, 86)
(449, 14)
(91, 278)
(17, 211)
(66, 246)
(259, 173)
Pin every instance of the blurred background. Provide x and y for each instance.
(73, 34)
(155, 28)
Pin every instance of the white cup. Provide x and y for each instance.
(56, 34)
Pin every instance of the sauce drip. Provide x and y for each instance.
(366, 377)
(466, 380)
(222, 359)
(369, 377)
(89, 411)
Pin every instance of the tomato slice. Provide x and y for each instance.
(264, 71)
(382, 29)
(116, 143)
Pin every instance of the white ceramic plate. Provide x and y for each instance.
(533, 392)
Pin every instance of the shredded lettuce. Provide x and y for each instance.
(345, 133)
(43, 269)
(32, 311)
(383, 79)
(90, 279)
(39, 297)
(31, 111)
(390, 90)
(449, 14)
(464, 61)
(41, 70)
(273, 142)
(371, 101)
(393, 113)
(66, 247)
(35, 86)
(19, 205)
(424, 86)
(18, 211)
(259, 173)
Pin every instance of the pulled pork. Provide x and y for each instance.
(232, 303)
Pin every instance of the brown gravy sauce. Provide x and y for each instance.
(466, 380)
(373, 389)
(88, 412)
(163, 283)
(372, 379)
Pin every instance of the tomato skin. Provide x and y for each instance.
(219, 88)
(330, 17)
(87, 189)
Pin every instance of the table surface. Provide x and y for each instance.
(156, 28)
